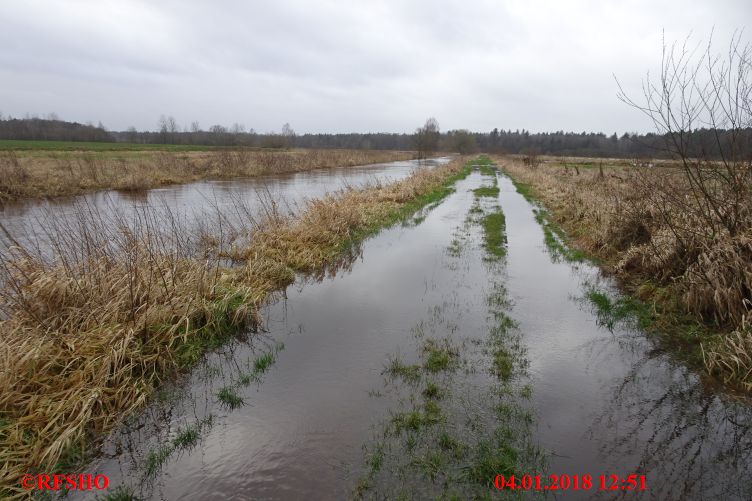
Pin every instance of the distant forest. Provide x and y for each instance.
(704, 141)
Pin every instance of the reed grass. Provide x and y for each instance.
(49, 174)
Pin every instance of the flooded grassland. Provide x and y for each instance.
(463, 341)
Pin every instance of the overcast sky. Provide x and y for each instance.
(341, 66)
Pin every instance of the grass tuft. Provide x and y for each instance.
(432, 391)
(229, 398)
(120, 493)
(487, 191)
(494, 234)
(417, 418)
(623, 309)
(262, 364)
(185, 439)
(502, 363)
(438, 356)
(156, 459)
(491, 457)
(410, 373)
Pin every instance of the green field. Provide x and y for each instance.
(20, 145)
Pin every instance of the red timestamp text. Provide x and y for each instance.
(571, 482)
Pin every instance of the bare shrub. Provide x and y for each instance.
(530, 159)
(701, 104)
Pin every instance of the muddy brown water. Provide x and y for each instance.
(605, 402)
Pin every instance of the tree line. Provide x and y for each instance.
(426, 139)
(51, 129)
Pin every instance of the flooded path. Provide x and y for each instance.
(602, 401)
(299, 434)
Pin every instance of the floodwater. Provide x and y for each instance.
(26, 220)
(605, 402)
(301, 432)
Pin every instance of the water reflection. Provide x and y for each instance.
(695, 442)
(300, 433)
(607, 401)
(611, 400)
(193, 200)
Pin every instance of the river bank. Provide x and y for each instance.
(42, 173)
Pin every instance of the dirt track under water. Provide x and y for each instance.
(601, 401)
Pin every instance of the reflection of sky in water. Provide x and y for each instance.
(194, 200)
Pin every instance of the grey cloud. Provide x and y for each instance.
(343, 66)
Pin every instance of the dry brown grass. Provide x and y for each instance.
(643, 223)
(118, 306)
(13, 176)
(42, 173)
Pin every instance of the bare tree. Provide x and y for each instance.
(168, 129)
(288, 135)
(131, 134)
(163, 129)
(427, 138)
(702, 106)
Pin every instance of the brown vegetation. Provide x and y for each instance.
(42, 174)
(678, 233)
(90, 330)
(642, 222)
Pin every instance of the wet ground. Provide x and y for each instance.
(297, 411)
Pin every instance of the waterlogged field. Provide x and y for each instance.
(437, 338)
(49, 171)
